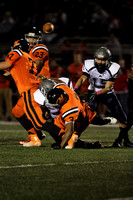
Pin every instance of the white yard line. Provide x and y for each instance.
(53, 164)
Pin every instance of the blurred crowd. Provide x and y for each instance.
(71, 18)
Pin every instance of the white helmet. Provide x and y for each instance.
(46, 85)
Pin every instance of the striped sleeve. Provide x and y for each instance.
(70, 112)
(13, 56)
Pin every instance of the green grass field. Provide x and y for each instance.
(80, 174)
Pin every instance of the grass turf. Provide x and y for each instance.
(81, 174)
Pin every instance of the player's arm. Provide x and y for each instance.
(39, 64)
(42, 77)
(80, 81)
(4, 65)
(108, 87)
(68, 134)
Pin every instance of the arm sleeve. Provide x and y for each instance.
(12, 57)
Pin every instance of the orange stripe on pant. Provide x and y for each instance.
(32, 109)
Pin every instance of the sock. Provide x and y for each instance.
(28, 126)
(25, 122)
(121, 135)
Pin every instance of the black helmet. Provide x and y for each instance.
(102, 54)
(57, 97)
(46, 85)
(21, 44)
(34, 33)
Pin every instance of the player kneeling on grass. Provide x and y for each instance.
(73, 117)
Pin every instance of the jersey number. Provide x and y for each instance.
(99, 83)
(32, 70)
(39, 54)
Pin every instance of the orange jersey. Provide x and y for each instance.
(40, 51)
(23, 70)
(71, 109)
(74, 110)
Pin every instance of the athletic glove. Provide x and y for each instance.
(91, 95)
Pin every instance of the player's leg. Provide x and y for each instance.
(115, 107)
(18, 113)
(128, 127)
(38, 115)
(34, 113)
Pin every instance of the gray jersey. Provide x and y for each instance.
(97, 80)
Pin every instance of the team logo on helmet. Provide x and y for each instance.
(57, 96)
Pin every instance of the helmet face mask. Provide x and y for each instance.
(33, 37)
(102, 58)
(101, 67)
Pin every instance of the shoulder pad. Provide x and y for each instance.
(88, 65)
(114, 69)
(39, 46)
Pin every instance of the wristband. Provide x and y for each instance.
(76, 87)
(99, 92)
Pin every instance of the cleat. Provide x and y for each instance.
(107, 121)
(34, 141)
(71, 142)
(127, 143)
(116, 144)
(68, 147)
(111, 120)
(22, 142)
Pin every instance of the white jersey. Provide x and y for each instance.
(67, 81)
(98, 80)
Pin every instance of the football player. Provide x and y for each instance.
(102, 73)
(40, 96)
(73, 117)
(39, 53)
(24, 70)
